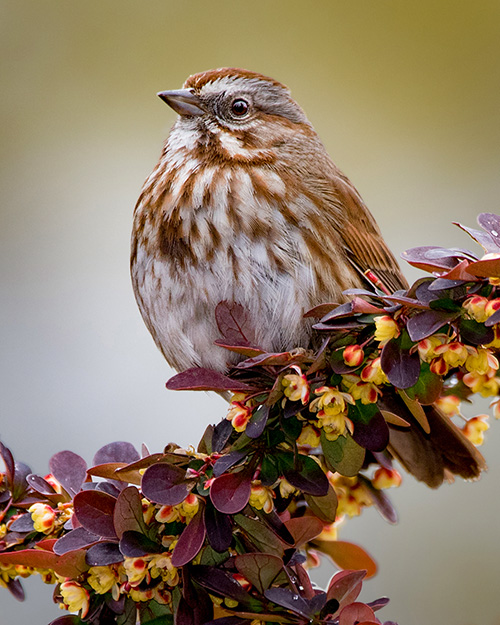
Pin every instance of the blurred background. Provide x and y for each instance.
(406, 97)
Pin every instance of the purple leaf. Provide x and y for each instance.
(199, 379)
(425, 258)
(226, 461)
(484, 239)
(8, 459)
(166, 484)
(305, 474)
(128, 512)
(382, 502)
(230, 492)
(40, 485)
(377, 604)
(257, 422)
(103, 554)
(94, 511)
(20, 485)
(494, 319)
(373, 435)
(289, 600)
(136, 545)
(219, 528)
(23, 524)
(425, 323)
(78, 538)
(69, 469)
(222, 433)
(491, 223)
(190, 541)
(16, 589)
(119, 451)
(220, 583)
(401, 368)
(67, 619)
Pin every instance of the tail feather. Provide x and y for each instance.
(432, 458)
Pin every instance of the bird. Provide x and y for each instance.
(245, 205)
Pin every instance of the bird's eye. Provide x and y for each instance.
(239, 107)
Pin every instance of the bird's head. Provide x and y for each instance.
(243, 110)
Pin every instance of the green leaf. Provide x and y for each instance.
(259, 568)
(428, 388)
(343, 455)
(259, 535)
(325, 508)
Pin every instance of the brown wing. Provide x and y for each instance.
(364, 244)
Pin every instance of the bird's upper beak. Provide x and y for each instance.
(183, 101)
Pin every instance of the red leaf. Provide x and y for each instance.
(128, 512)
(486, 268)
(357, 613)
(230, 492)
(94, 510)
(68, 565)
(199, 379)
(345, 587)
(347, 555)
(303, 529)
(190, 541)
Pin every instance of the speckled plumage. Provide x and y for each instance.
(247, 210)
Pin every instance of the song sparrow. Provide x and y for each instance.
(245, 205)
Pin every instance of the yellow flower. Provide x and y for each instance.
(328, 533)
(373, 373)
(168, 514)
(333, 425)
(161, 565)
(44, 517)
(476, 307)
(386, 478)
(474, 429)
(296, 386)
(495, 343)
(365, 391)
(486, 384)
(75, 597)
(351, 494)
(286, 489)
(439, 366)
(136, 569)
(102, 579)
(309, 436)
(261, 497)
(189, 506)
(385, 329)
(427, 346)
(449, 404)
(353, 355)
(239, 415)
(480, 361)
(492, 306)
(330, 402)
(454, 354)
(141, 595)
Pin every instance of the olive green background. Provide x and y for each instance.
(406, 96)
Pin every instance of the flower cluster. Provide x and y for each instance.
(230, 529)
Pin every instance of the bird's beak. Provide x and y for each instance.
(183, 101)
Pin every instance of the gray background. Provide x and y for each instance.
(406, 97)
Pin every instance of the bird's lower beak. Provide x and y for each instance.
(183, 101)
